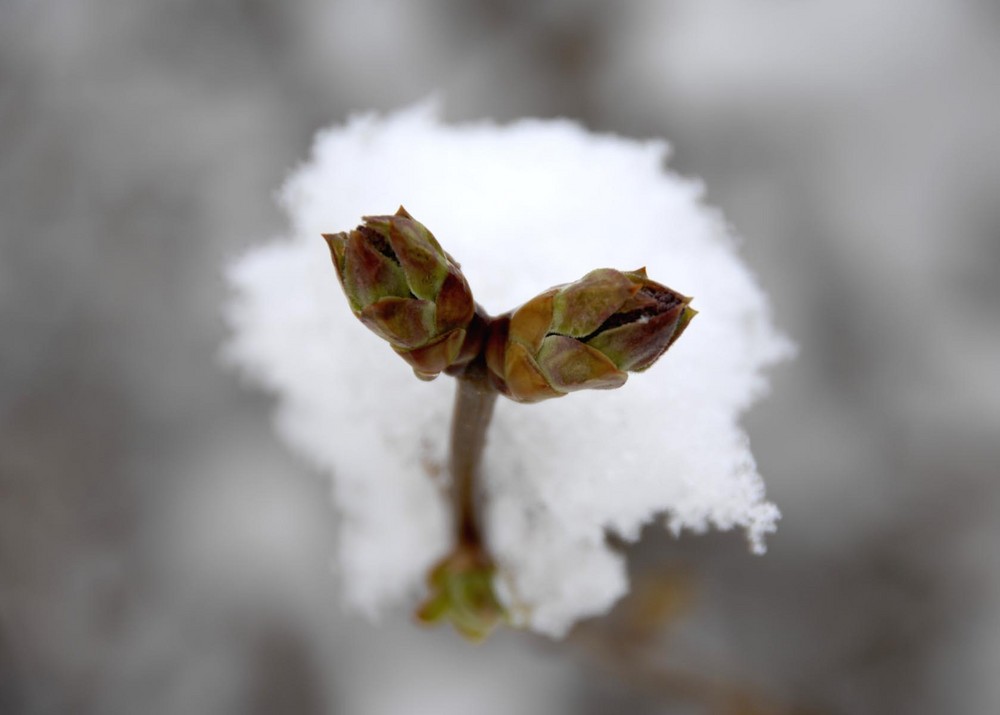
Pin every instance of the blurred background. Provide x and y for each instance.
(161, 552)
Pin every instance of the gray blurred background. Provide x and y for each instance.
(161, 552)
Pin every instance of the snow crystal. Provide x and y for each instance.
(522, 207)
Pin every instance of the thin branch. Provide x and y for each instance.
(475, 399)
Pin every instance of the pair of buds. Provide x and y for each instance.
(583, 335)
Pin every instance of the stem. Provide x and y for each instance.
(475, 398)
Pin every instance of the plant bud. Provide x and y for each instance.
(585, 335)
(406, 289)
(461, 591)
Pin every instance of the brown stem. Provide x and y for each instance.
(475, 398)
(639, 665)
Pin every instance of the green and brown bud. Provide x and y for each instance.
(461, 591)
(406, 289)
(585, 335)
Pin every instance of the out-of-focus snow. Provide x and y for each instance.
(523, 207)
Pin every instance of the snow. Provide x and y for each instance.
(522, 207)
